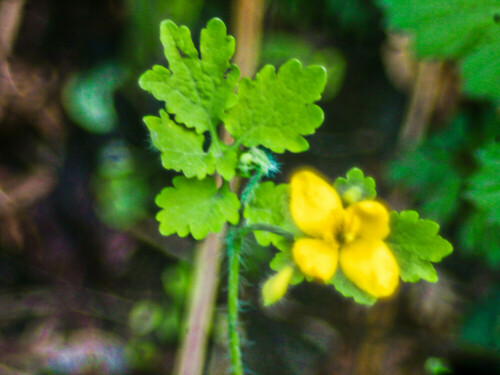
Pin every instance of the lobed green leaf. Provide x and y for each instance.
(269, 205)
(276, 109)
(196, 207)
(345, 287)
(415, 243)
(182, 149)
(196, 90)
(355, 187)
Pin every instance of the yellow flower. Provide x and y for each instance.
(352, 237)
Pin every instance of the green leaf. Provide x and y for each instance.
(269, 205)
(182, 149)
(283, 259)
(276, 110)
(480, 238)
(462, 29)
(438, 181)
(481, 325)
(484, 185)
(279, 48)
(356, 187)
(415, 244)
(120, 187)
(481, 71)
(88, 97)
(197, 91)
(196, 207)
(348, 289)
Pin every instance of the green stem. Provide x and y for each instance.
(215, 140)
(267, 228)
(247, 193)
(234, 242)
(234, 247)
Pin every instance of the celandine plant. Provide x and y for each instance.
(334, 234)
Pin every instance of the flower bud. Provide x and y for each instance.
(276, 286)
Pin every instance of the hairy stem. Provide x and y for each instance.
(248, 27)
(234, 241)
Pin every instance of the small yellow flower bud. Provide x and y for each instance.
(276, 286)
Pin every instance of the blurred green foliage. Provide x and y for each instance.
(481, 326)
(456, 171)
(120, 187)
(436, 366)
(278, 48)
(153, 322)
(88, 97)
(463, 30)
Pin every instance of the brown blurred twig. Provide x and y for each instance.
(10, 18)
(423, 103)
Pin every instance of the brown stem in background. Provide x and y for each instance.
(248, 31)
(191, 355)
(422, 105)
(10, 19)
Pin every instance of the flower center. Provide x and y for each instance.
(344, 233)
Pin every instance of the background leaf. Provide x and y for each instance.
(479, 237)
(196, 207)
(484, 185)
(438, 182)
(88, 97)
(467, 30)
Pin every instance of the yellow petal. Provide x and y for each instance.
(366, 219)
(316, 258)
(276, 286)
(315, 205)
(371, 266)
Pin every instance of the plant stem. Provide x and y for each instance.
(10, 20)
(191, 356)
(422, 104)
(234, 241)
